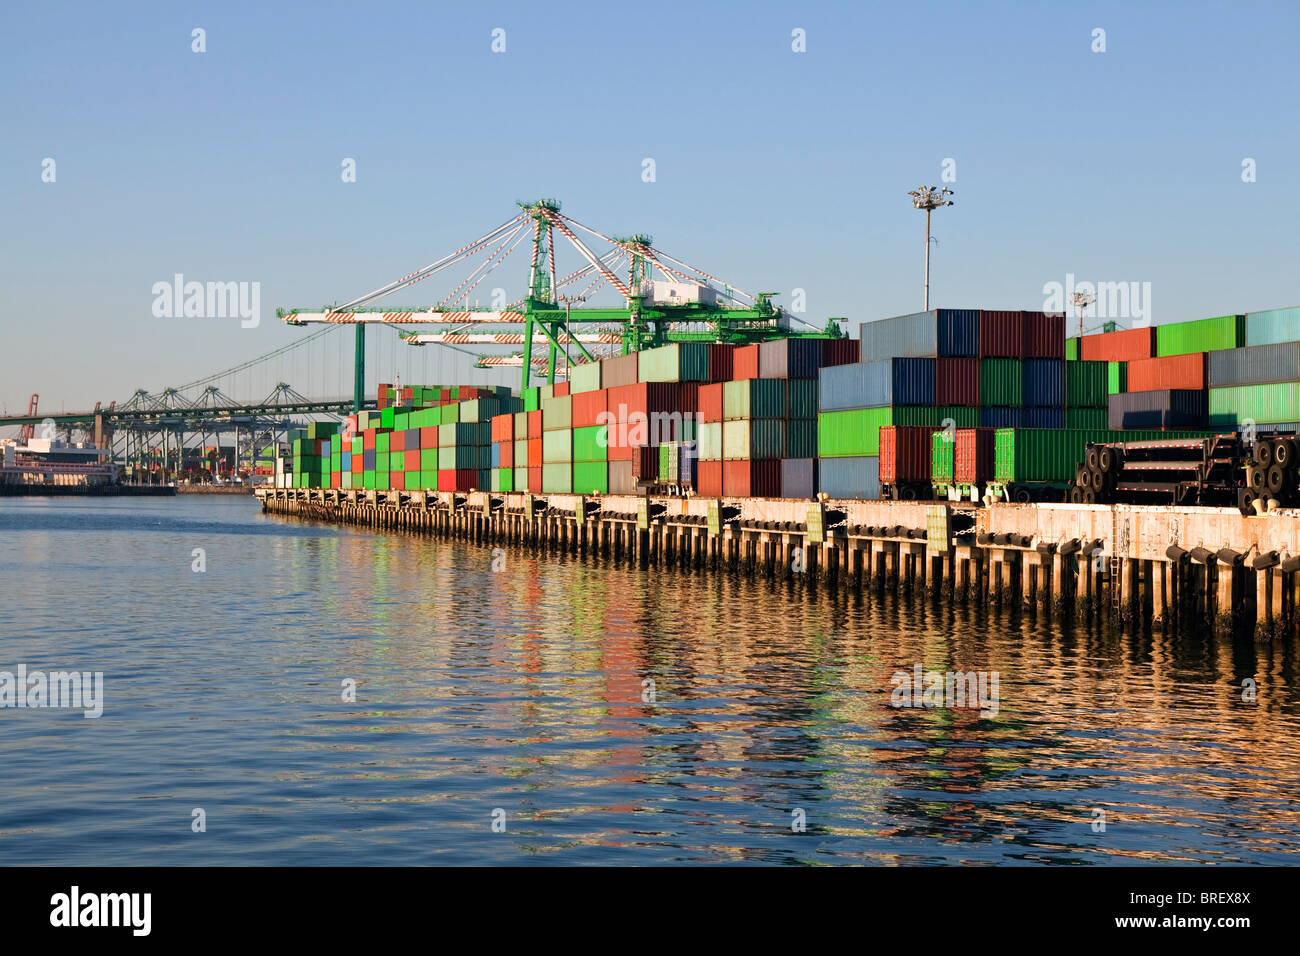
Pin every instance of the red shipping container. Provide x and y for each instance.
(534, 473)
(973, 455)
(840, 352)
(643, 399)
(752, 479)
(411, 460)
(688, 398)
(534, 425)
(721, 360)
(561, 389)
(336, 479)
(383, 391)
(589, 407)
(708, 479)
(368, 440)
(1127, 345)
(645, 462)
(1044, 335)
(957, 381)
(507, 459)
(467, 393)
(710, 401)
(397, 481)
(534, 454)
(429, 436)
(905, 453)
(1002, 335)
(397, 441)
(744, 363)
(462, 479)
(1171, 371)
(358, 465)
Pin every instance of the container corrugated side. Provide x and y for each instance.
(789, 358)
(936, 416)
(557, 413)
(1086, 385)
(557, 446)
(957, 332)
(618, 371)
(1201, 335)
(1255, 365)
(1169, 408)
(957, 381)
(942, 444)
(902, 336)
(1044, 335)
(753, 438)
(904, 454)
(1043, 382)
(1116, 378)
(851, 433)
(973, 456)
(860, 385)
(1001, 382)
(849, 477)
(754, 398)
(1124, 345)
(1273, 326)
(1002, 333)
(1042, 418)
(1183, 371)
(679, 362)
(798, 477)
(1262, 404)
(1035, 454)
(1091, 418)
(584, 378)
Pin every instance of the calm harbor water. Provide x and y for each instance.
(521, 690)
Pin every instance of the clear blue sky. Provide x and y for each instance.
(775, 170)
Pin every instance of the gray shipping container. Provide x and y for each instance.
(1169, 408)
(1255, 365)
(621, 481)
(798, 477)
(849, 477)
(905, 335)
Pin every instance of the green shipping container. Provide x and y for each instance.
(396, 460)
(368, 480)
(589, 444)
(753, 438)
(853, 433)
(557, 479)
(589, 477)
(532, 399)
(670, 462)
(401, 421)
(557, 413)
(557, 447)
(1001, 382)
(521, 454)
(710, 441)
(680, 362)
(322, 429)
(521, 480)
(449, 414)
(1051, 454)
(801, 435)
(1072, 349)
(386, 417)
(503, 479)
(584, 378)
(801, 400)
(520, 425)
(381, 443)
(1203, 335)
(942, 445)
(428, 459)
(753, 398)
(449, 458)
(1093, 418)
(1087, 384)
(927, 417)
(1262, 404)
(1116, 378)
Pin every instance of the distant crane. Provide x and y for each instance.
(29, 429)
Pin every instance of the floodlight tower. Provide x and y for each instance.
(1081, 302)
(929, 198)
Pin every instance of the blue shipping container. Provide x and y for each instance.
(1042, 417)
(346, 463)
(900, 381)
(798, 477)
(368, 459)
(496, 454)
(992, 416)
(849, 477)
(1273, 326)
(1169, 408)
(1044, 383)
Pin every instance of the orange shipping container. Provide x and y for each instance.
(1124, 346)
(1170, 371)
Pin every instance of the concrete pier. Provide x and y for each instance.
(1125, 564)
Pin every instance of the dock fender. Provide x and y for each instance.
(1265, 560)
(1069, 547)
(1290, 564)
(1202, 555)
(1228, 556)
(1046, 547)
(1175, 553)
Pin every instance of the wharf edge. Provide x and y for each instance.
(1127, 564)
